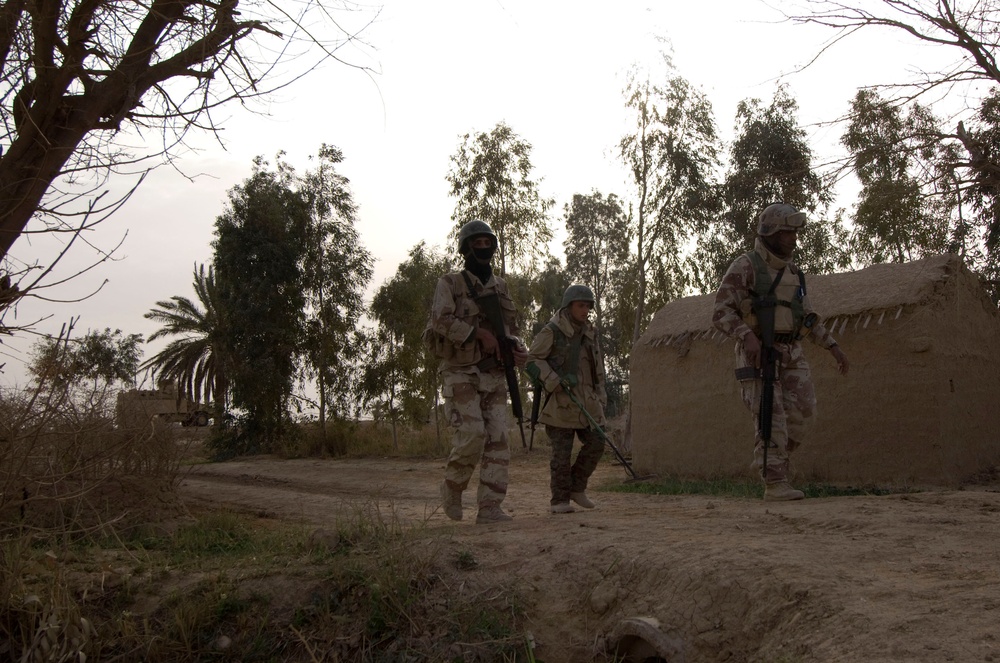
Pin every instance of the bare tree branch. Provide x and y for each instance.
(79, 75)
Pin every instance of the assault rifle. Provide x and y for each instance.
(764, 309)
(491, 306)
(600, 431)
(536, 403)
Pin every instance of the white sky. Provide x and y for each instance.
(553, 70)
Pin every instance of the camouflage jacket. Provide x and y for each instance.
(732, 314)
(455, 317)
(590, 376)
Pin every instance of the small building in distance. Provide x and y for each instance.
(136, 408)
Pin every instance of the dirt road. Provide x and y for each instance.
(911, 577)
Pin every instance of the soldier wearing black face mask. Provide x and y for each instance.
(467, 341)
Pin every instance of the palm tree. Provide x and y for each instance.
(196, 360)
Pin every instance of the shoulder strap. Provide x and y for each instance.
(762, 278)
(468, 284)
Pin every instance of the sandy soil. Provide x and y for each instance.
(895, 578)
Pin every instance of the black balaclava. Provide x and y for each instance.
(772, 246)
(477, 261)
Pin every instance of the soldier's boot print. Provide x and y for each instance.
(562, 507)
(582, 499)
(781, 491)
(491, 513)
(451, 501)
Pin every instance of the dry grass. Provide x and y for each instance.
(220, 585)
(97, 561)
(368, 438)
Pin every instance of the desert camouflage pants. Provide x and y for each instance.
(794, 405)
(476, 406)
(571, 477)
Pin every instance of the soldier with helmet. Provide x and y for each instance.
(462, 335)
(565, 359)
(765, 285)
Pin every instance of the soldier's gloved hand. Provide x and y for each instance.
(520, 355)
(568, 382)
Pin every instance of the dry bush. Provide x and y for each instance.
(66, 468)
(365, 438)
(67, 474)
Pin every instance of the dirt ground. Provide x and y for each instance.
(912, 577)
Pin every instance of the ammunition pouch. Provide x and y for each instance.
(437, 345)
(488, 363)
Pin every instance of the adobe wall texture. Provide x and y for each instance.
(921, 405)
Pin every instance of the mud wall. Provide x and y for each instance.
(921, 405)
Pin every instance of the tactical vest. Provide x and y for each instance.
(565, 355)
(762, 289)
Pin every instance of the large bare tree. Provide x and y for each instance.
(88, 87)
(966, 168)
(967, 29)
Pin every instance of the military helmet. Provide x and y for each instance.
(577, 293)
(779, 216)
(474, 229)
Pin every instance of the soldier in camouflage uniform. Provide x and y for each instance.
(475, 388)
(565, 358)
(749, 278)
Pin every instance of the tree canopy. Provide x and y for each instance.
(102, 356)
(259, 248)
(491, 177)
(770, 160)
(399, 379)
(336, 270)
(671, 153)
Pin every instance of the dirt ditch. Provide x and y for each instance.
(912, 577)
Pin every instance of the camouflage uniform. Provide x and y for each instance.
(794, 395)
(475, 399)
(561, 416)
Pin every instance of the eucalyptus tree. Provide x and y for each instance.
(895, 156)
(671, 154)
(104, 357)
(336, 270)
(195, 360)
(399, 378)
(770, 160)
(260, 245)
(598, 254)
(977, 236)
(539, 296)
(76, 379)
(598, 239)
(491, 178)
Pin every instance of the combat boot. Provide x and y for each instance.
(582, 499)
(491, 514)
(781, 491)
(451, 501)
(562, 507)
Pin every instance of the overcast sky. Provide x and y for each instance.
(551, 70)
